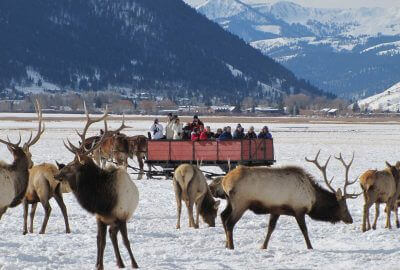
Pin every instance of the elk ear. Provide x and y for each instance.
(339, 194)
(388, 164)
(216, 204)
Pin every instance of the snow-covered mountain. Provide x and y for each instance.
(388, 100)
(351, 52)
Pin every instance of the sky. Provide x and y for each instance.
(327, 3)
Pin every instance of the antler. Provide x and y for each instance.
(31, 142)
(82, 150)
(10, 144)
(346, 180)
(121, 127)
(322, 169)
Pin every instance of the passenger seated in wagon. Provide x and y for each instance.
(264, 133)
(250, 134)
(226, 134)
(218, 133)
(156, 130)
(239, 132)
(195, 136)
(206, 134)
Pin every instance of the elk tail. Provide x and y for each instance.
(184, 177)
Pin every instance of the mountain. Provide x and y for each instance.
(350, 52)
(388, 100)
(160, 46)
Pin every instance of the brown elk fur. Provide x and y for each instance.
(190, 185)
(380, 187)
(41, 188)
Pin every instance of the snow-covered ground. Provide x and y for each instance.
(158, 245)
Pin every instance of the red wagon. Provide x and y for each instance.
(169, 154)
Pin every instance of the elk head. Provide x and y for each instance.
(69, 171)
(343, 211)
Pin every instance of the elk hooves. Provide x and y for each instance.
(263, 247)
(41, 232)
(68, 231)
(134, 265)
(178, 227)
(374, 227)
(196, 226)
(24, 232)
(120, 265)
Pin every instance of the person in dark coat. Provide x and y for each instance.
(218, 133)
(239, 132)
(226, 134)
(264, 133)
(251, 134)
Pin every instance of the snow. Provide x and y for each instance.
(157, 244)
(388, 100)
(274, 29)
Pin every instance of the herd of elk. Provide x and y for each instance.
(107, 192)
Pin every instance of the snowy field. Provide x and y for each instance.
(157, 244)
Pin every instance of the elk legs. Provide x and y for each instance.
(59, 199)
(113, 236)
(101, 243)
(300, 218)
(273, 219)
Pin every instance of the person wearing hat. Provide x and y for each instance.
(226, 134)
(196, 123)
(251, 134)
(156, 130)
(169, 133)
(238, 133)
(264, 133)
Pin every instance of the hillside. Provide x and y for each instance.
(161, 46)
(350, 52)
(388, 100)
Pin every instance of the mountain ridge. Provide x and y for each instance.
(350, 52)
(152, 45)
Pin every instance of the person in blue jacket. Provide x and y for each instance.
(264, 133)
(226, 134)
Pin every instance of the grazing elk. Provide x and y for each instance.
(191, 186)
(108, 193)
(283, 191)
(380, 187)
(14, 177)
(41, 188)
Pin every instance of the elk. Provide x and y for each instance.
(216, 188)
(380, 187)
(128, 147)
(191, 186)
(14, 177)
(41, 188)
(108, 193)
(105, 151)
(283, 191)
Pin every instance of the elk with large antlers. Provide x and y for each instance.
(380, 187)
(282, 191)
(113, 143)
(108, 193)
(14, 177)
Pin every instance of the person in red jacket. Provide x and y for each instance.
(195, 135)
(203, 134)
